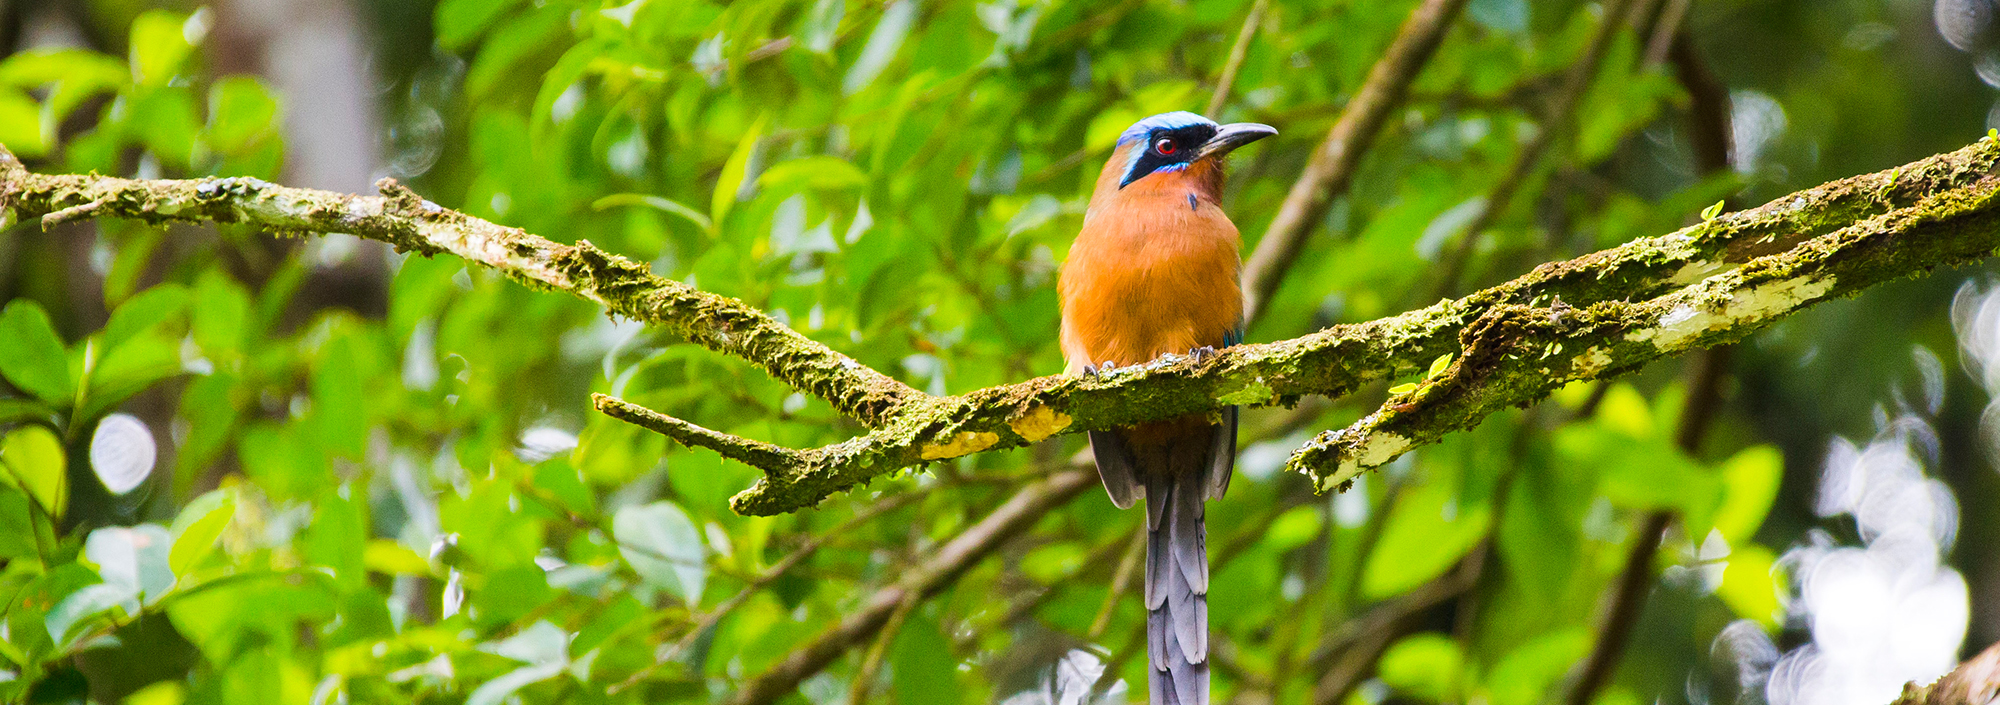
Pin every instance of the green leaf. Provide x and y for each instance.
(1439, 365)
(1709, 213)
(1750, 586)
(159, 46)
(31, 356)
(14, 411)
(1426, 665)
(143, 312)
(198, 527)
(663, 547)
(17, 525)
(496, 691)
(73, 76)
(35, 462)
(338, 402)
(241, 111)
(1526, 674)
(461, 21)
(135, 366)
(1294, 528)
(662, 204)
(822, 173)
(389, 557)
(883, 44)
(734, 172)
(1750, 484)
(1404, 388)
(221, 316)
(1426, 533)
(511, 593)
(922, 665)
(83, 606)
(1051, 563)
(167, 122)
(21, 124)
(337, 537)
(133, 559)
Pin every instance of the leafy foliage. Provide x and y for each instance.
(413, 504)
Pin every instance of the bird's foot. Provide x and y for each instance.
(1201, 354)
(1094, 371)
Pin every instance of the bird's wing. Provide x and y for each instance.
(1117, 468)
(1221, 457)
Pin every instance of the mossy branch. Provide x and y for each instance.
(1565, 321)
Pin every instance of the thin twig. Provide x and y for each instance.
(1666, 31)
(1556, 124)
(1331, 170)
(920, 582)
(1236, 55)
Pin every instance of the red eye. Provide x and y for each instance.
(1165, 145)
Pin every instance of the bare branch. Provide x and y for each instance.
(1332, 167)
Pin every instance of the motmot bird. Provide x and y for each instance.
(1155, 271)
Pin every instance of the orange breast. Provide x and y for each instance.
(1150, 274)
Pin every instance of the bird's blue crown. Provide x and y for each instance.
(1163, 121)
(1138, 164)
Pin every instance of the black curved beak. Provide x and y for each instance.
(1228, 137)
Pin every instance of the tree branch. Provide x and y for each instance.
(1520, 339)
(1333, 164)
(1975, 682)
(401, 218)
(1515, 354)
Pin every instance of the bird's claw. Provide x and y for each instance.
(1201, 354)
(1095, 371)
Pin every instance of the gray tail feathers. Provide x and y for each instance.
(1174, 477)
(1176, 590)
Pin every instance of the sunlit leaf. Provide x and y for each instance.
(34, 460)
(196, 529)
(883, 43)
(1750, 480)
(1524, 676)
(159, 45)
(1425, 665)
(734, 172)
(658, 203)
(1426, 532)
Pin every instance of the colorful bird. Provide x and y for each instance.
(1154, 272)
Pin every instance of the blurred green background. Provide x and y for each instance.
(243, 467)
